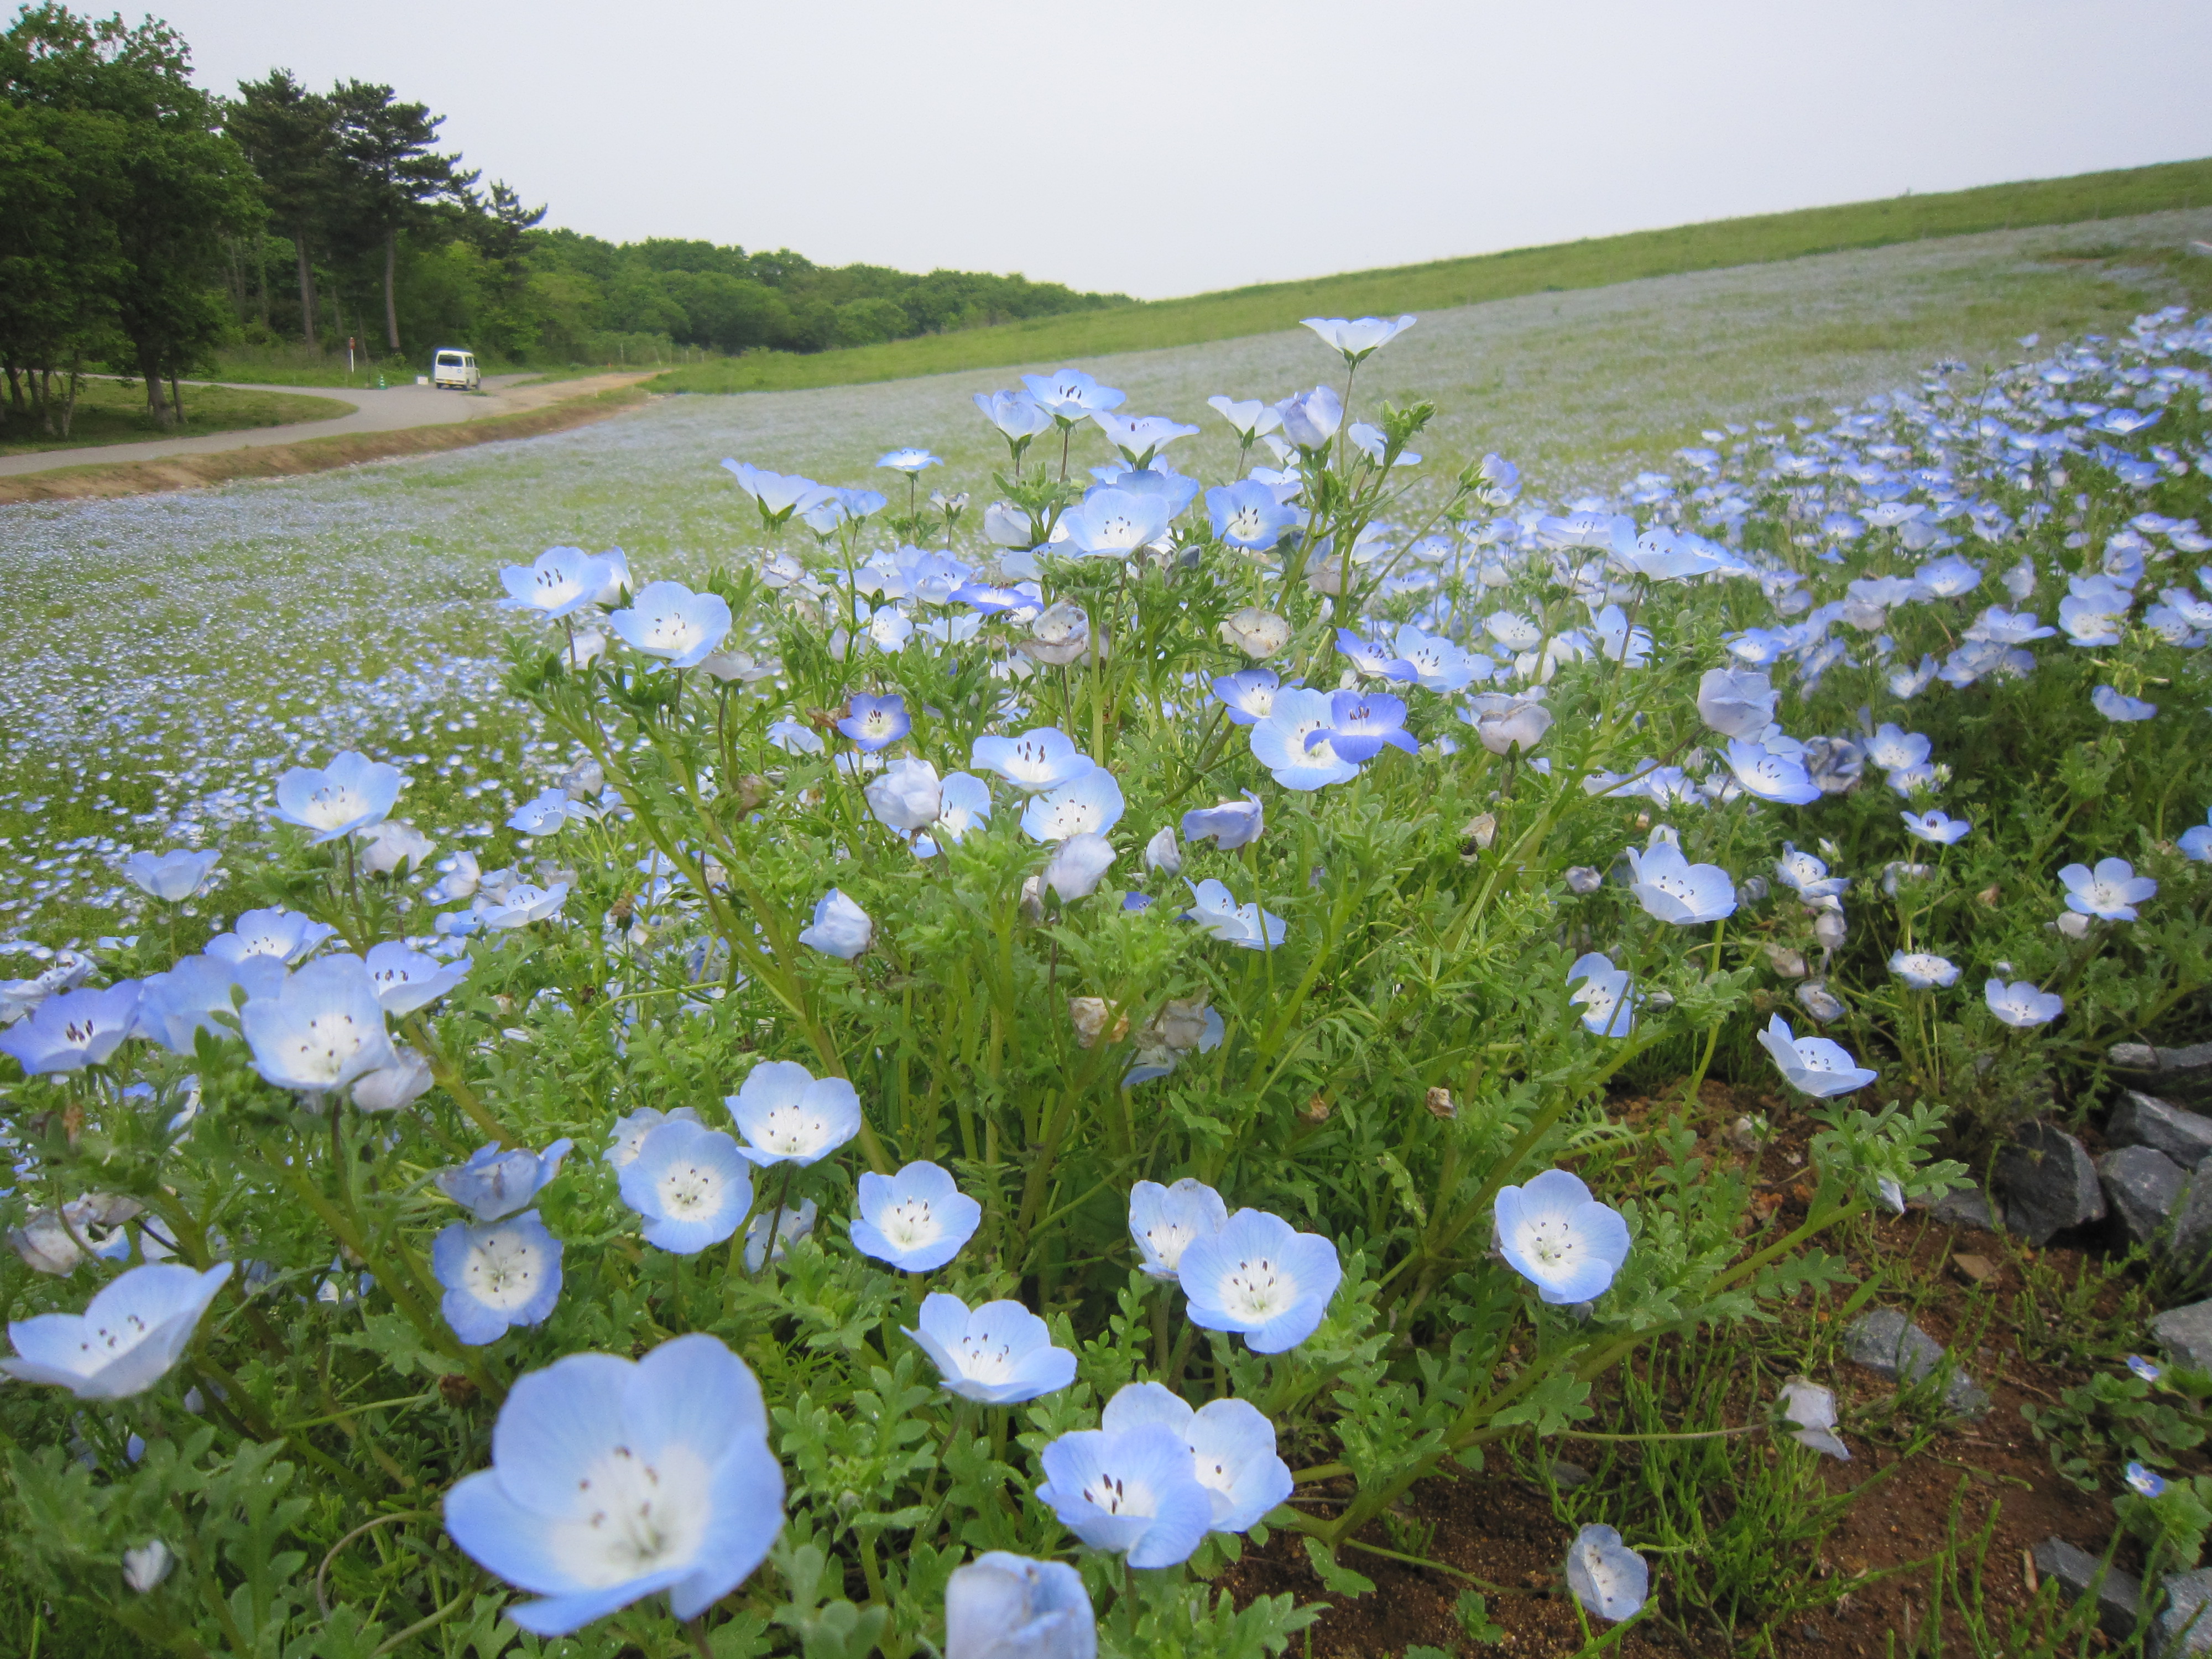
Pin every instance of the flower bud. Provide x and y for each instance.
(1477, 834)
(1257, 632)
(147, 1565)
(1317, 1110)
(1161, 853)
(1829, 928)
(1583, 879)
(1785, 962)
(1089, 1016)
(1439, 1102)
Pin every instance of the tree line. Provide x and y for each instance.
(147, 225)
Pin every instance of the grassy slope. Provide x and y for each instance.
(114, 412)
(1593, 263)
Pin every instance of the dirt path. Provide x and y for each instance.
(392, 410)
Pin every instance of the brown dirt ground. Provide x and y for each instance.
(1498, 1526)
(564, 408)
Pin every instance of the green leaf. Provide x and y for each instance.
(1342, 1580)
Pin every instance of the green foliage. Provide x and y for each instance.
(2110, 1420)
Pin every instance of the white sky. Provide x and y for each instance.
(1164, 147)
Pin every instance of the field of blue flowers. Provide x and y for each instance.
(1051, 1029)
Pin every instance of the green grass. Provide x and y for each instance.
(1593, 263)
(111, 411)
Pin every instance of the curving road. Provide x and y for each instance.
(388, 410)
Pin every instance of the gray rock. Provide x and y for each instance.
(2142, 1120)
(2119, 1597)
(2183, 1074)
(2048, 1183)
(1567, 1476)
(1893, 1347)
(2185, 1627)
(2185, 1334)
(2192, 1226)
(1965, 1206)
(2144, 1186)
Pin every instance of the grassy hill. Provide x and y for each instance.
(1592, 262)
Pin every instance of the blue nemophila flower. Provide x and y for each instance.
(78, 1029)
(631, 1131)
(1140, 437)
(1507, 720)
(558, 582)
(172, 877)
(1248, 695)
(1035, 762)
(2149, 1370)
(1249, 419)
(788, 1116)
(1361, 724)
(1805, 875)
(2117, 706)
(840, 929)
(834, 506)
(1360, 337)
(406, 980)
(497, 1181)
(1936, 826)
(1091, 805)
(777, 495)
(1311, 418)
(1607, 1578)
(906, 795)
(916, 1221)
(1232, 1448)
(320, 1029)
(1163, 1220)
(2143, 1480)
(175, 1004)
(909, 461)
(1246, 515)
(1810, 1409)
(1069, 395)
(999, 1354)
(134, 1329)
(1133, 1493)
(1113, 522)
(669, 621)
(2021, 1005)
(350, 793)
(964, 801)
(613, 1480)
(689, 1183)
(1233, 825)
(543, 814)
(874, 723)
(1671, 888)
(1078, 863)
(284, 936)
(496, 1274)
(1215, 909)
(790, 1226)
(1736, 702)
(1438, 664)
(146, 1566)
(1608, 1004)
(1001, 1606)
(2110, 892)
(1560, 1239)
(1260, 1276)
(2195, 841)
(1923, 971)
(522, 904)
(1771, 774)
(1815, 1065)
(1018, 417)
(1256, 631)
(1285, 742)
(1659, 554)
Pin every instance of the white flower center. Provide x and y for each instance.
(1168, 1241)
(1258, 1290)
(1245, 523)
(326, 1042)
(691, 1192)
(1117, 1495)
(982, 1358)
(503, 1270)
(791, 1130)
(634, 1517)
(910, 1223)
(1551, 1242)
(333, 803)
(671, 631)
(107, 1342)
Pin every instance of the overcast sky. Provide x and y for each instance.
(1164, 147)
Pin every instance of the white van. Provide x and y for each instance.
(457, 369)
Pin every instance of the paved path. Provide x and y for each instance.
(387, 410)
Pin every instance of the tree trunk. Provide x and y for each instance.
(261, 270)
(14, 389)
(69, 406)
(42, 385)
(164, 416)
(390, 302)
(306, 285)
(176, 398)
